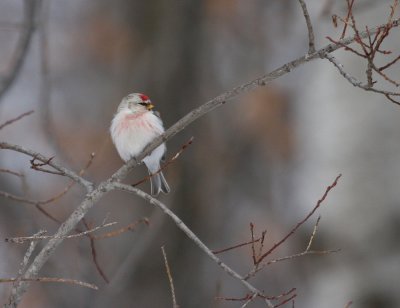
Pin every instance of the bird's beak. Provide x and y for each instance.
(149, 106)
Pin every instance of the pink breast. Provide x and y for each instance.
(137, 121)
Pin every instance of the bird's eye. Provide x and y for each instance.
(143, 104)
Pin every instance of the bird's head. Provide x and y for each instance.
(136, 102)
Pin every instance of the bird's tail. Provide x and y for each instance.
(159, 184)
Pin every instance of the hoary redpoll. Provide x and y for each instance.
(133, 127)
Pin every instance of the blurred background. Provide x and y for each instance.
(264, 158)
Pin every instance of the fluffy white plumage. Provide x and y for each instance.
(133, 127)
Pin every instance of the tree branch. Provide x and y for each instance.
(52, 279)
(181, 225)
(311, 40)
(104, 187)
(64, 171)
(11, 121)
(22, 239)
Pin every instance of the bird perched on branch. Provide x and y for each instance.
(133, 127)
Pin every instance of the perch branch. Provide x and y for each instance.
(104, 187)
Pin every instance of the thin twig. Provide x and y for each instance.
(349, 12)
(235, 246)
(294, 229)
(311, 40)
(132, 226)
(11, 121)
(313, 234)
(94, 253)
(39, 203)
(171, 281)
(68, 173)
(11, 172)
(22, 239)
(261, 266)
(359, 84)
(51, 279)
(285, 301)
(369, 50)
(249, 301)
(48, 215)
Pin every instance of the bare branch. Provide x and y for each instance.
(171, 281)
(132, 226)
(22, 239)
(249, 301)
(68, 173)
(313, 234)
(94, 253)
(294, 229)
(11, 172)
(369, 50)
(181, 225)
(307, 251)
(104, 187)
(311, 40)
(285, 301)
(11, 121)
(235, 246)
(359, 84)
(51, 279)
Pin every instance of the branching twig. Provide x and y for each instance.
(359, 84)
(369, 51)
(22, 239)
(62, 170)
(294, 229)
(39, 203)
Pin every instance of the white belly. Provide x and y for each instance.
(131, 134)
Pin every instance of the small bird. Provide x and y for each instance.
(133, 127)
